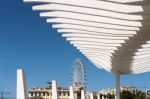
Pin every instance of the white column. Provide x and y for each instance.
(54, 90)
(98, 96)
(21, 85)
(37, 94)
(33, 94)
(91, 96)
(102, 97)
(82, 94)
(71, 96)
(117, 85)
(29, 95)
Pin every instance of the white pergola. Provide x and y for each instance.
(112, 34)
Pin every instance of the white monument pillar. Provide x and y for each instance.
(21, 85)
(91, 96)
(71, 93)
(54, 90)
(82, 94)
(117, 96)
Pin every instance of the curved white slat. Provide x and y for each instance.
(94, 46)
(96, 54)
(148, 42)
(144, 49)
(83, 48)
(140, 60)
(146, 46)
(101, 57)
(94, 39)
(141, 56)
(94, 33)
(96, 4)
(142, 52)
(92, 24)
(134, 71)
(125, 1)
(141, 68)
(90, 18)
(77, 9)
(65, 26)
(140, 63)
(94, 43)
(94, 36)
(102, 60)
(92, 53)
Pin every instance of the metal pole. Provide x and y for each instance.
(117, 85)
(146, 94)
(2, 95)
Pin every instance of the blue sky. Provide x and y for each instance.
(28, 42)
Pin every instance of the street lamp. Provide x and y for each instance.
(2, 94)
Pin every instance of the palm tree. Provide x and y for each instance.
(109, 96)
(140, 95)
(127, 95)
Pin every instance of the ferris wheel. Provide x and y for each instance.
(78, 74)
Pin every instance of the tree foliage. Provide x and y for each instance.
(129, 95)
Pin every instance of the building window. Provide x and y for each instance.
(61, 94)
(48, 94)
(31, 94)
(43, 94)
(66, 94)
(35, 94)
(39, 94)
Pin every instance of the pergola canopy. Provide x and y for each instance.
(112, 34)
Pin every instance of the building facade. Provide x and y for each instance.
(112, 91)
(130, 89)
(46, 93)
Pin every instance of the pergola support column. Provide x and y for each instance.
(117, 96)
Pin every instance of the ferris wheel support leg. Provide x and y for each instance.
(117, 96)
